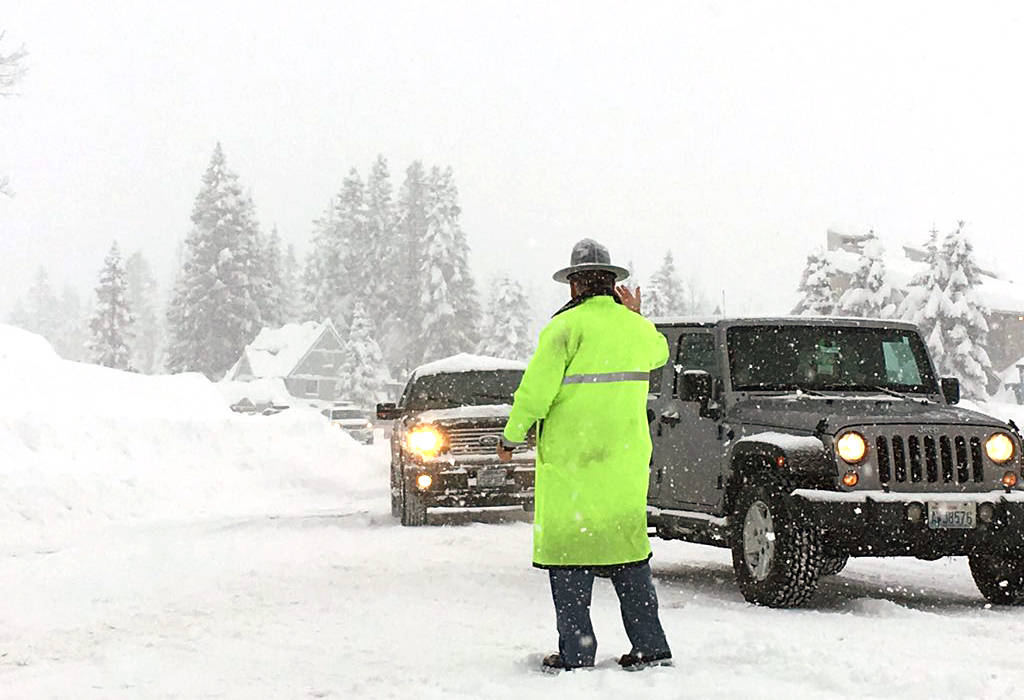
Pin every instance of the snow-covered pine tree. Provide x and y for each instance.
(273, 272)
(926, 303)
(506, 324)
(400, 341)
(111, 323)
(143, 300)
(215, 309)
(967, 331)
(324, 279)
(72, 343)
(817, 297)
(869, 295)
(291, 288)
(386, 286)
(665, 295)
(363, 374)
(340, 265)
(451, 311)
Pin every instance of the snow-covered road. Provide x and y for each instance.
(343, 603)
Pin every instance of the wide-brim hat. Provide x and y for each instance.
(588, 254)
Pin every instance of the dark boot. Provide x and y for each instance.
(638, 662)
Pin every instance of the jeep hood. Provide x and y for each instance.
(801, 413)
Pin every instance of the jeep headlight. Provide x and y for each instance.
(999, 448)
(851, 447)
(425, 440)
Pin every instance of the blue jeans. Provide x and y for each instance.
(571, 590)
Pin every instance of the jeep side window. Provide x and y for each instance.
(696, 350)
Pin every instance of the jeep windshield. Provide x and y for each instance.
(828, 358)
(454, 389)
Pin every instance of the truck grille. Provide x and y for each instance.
(947, 459)
(466, 441)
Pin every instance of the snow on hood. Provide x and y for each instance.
(785, 441)
(495, 411)
(464, 362)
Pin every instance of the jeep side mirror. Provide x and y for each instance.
(951, 389)
(388, 411)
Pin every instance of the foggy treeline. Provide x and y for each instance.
(388, 266)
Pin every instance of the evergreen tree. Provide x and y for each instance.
(385, 285)
(818, 298)
(926, 303)
(506, 325)
(341, 265)
(73, 343)
(665, 295)
(291, 291)
(363, 375)
(112, 320)
(400, 340)
(869, 294)
(215, 310)
(273, 273)
(449, 324)
(142, 300)
(39, 311)
(967, 330)
(325, 277)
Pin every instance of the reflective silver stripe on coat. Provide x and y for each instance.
(603, 377)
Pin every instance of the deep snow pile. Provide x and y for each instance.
(83, 446)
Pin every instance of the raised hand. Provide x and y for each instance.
(631, 298)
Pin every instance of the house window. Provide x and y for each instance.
(312, 387)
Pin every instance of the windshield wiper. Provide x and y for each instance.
(501, 397)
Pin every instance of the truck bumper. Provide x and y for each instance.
(460, 486)
(884, 523)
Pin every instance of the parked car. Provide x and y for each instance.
(443, 445)
(355, 421)
(798, 443)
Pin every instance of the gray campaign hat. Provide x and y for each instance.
(588, 254)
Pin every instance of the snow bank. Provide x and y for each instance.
(83, 446)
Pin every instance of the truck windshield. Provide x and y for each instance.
(823, 358)
(461, 389)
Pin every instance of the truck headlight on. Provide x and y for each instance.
(425, 440)
(851, 447)
(999, 448)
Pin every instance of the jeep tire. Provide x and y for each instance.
(776, 556)
(999, 577)
(414, 510)
(832, 564)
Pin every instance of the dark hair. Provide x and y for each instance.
(593, 283)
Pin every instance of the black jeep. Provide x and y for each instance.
(801, 442)
(443, 446)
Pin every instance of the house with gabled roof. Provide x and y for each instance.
(306, 356)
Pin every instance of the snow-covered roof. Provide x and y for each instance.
(464, 362)
(277, 351)
(995, 293)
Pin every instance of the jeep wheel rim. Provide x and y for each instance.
(758, 540)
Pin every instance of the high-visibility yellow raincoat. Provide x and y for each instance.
(587, 382)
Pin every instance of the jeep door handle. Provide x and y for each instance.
(669, 418)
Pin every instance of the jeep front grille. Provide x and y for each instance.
(470, 441)
(914, 458)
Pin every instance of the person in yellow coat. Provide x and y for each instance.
(585, 390)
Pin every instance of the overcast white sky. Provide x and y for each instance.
(732, 133)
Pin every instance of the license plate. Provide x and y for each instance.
(490, 478)
(950, 516)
